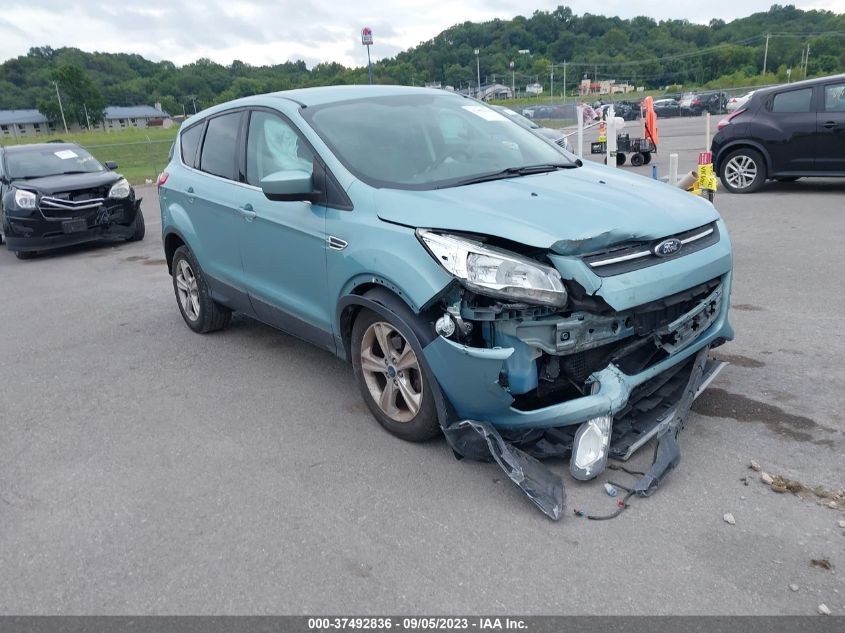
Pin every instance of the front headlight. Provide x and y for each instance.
(120, 189)
(24, 199)
(495, 272)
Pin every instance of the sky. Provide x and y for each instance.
(263, 32)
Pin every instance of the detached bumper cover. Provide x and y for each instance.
(482, 441)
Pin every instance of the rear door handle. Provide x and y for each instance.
(829, 124)
(247, 212)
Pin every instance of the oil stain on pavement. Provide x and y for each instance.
(718, 403)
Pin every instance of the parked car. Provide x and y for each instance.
(665, 108)
(480, 282)
(628, 110)
(693, 104)
(555, 136)
(735, 103)
(783, 133)
(58, 194)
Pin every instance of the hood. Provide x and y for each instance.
(571, 211)
(68, 182)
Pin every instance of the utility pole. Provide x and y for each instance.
(552, 86)
(801, 65)
(564, 81)
(61, 109)
(806, 61)
(87, 120)
(766, 53)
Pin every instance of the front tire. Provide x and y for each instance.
(139, 228)
(743, 170)
(200, 312)
(390, 374)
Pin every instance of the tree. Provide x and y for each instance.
(82, 101)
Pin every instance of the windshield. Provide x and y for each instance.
(50, 161)
(426, 141)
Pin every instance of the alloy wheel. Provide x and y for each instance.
(187, 290)
(391, 372)
(740, 171)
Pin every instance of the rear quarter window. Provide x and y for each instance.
(793, 101)
(189, 142)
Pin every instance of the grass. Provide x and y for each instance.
(139, 154)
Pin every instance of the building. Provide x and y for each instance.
(17, 124)
(142, 116)
(23, 123)
(604, 87)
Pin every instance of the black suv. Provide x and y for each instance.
(57, 194)
(783, 133)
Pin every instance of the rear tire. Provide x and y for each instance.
(201, 313)
(637, 160)
(743, 170)
(394, 383)
(620, 159)
(646, 158)
(139, 228)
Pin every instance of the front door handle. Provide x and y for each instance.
(247, 212)
(829, 124)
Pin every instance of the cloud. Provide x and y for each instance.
(274, 31)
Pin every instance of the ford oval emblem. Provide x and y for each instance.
(668, 247)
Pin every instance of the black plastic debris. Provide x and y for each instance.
(541, 485)
(667, 453)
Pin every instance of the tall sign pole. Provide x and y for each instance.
(367, 40)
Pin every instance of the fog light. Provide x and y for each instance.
(589, 451)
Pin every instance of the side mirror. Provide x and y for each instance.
(110, 165)
(292, 185)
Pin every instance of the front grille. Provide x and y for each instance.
(624, 258)
(71, 204)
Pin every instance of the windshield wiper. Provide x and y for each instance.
(513, 172)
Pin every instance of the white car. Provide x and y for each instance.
(735, 103)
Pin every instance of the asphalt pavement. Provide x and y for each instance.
(145, 469)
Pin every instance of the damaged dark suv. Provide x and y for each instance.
(482, 282)
(58, 194)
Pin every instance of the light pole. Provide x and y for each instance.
(478, 71)
(513, 81)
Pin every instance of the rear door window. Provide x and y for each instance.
(793, 101)
(219, 150)
(834, 98)
(189, 142)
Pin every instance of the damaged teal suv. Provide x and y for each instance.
(483, 282)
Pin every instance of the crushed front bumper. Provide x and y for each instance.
(36, 232)
(471, 377)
